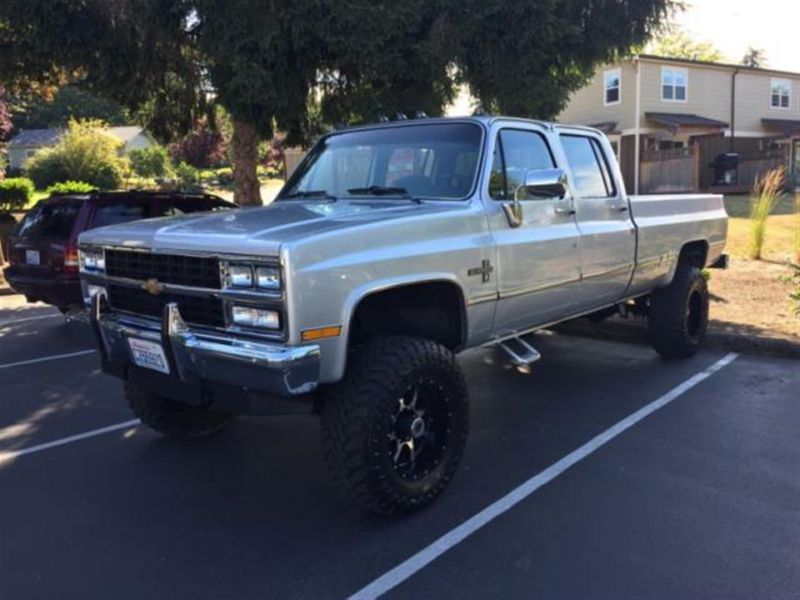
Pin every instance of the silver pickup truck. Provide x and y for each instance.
(392, 247)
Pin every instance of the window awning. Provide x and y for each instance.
(675, 121)
(788, 127)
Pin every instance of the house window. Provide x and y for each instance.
(673, 84)
(29, 153)
(669, 145)
(611, 86)
(780, 91)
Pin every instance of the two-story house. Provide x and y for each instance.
(677, 116)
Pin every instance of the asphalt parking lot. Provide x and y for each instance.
(695, 496)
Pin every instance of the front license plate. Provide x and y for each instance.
(32, 257)
(149, 355)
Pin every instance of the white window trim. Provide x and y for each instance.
(788, 83)
(661, 84)
(606, 73)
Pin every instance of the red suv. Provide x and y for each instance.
(43, 249)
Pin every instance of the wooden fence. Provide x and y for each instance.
(667, 171)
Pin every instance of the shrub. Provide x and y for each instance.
(15, 193)
(151, 162)
(187, 175)
(202, 148)
(767, 194)
(71, 187)
(225, 176)
(84, 153)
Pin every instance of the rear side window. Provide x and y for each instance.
(112, 214)
(516, 153)
(50, 220)
(592, 177)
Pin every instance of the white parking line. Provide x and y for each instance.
(424, 557)
(33, 361)
(11, 455)
(23, 319)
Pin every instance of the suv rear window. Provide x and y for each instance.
(50, 220)
(111, 214)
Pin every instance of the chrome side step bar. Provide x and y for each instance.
(521, 352)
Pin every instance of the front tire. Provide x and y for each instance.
(394, 430)
(678, 314)
(172, 418)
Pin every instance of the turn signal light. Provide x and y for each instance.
(320, 333)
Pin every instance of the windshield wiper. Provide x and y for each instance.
(322, 194)
(381, 190)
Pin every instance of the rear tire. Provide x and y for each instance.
(394, 430)
(678, 314)
(172, 418)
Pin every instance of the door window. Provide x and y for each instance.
(516, 152)
(590, 172)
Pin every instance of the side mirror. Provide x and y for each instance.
(545, 183)
(539, 183)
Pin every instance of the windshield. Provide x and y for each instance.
(50, 220)
(425, 161)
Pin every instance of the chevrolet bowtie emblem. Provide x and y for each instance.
(152, 286)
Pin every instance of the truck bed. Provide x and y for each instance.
(666, 223)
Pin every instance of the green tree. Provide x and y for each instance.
(676, 43)
(69, 103)
(267, 62)
(151, 162)
(755, 58)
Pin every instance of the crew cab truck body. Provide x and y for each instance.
(391, 248)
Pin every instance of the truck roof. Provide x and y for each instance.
(485, 120)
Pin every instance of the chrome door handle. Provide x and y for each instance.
(619, 207)
(564, 210)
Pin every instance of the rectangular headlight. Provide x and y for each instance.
(240, 276)
(92, 259)
(268, 278)
(256, 317)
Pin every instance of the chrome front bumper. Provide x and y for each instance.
(204, 360)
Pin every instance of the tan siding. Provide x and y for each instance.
(708, 92)
(708, 95)
(753, 101)
(586, 106)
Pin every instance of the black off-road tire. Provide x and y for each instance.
(677, 317)
(360, 414)
(172, 418)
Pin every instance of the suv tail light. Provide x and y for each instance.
(70, 259)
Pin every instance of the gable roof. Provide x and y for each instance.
(719, 65)
(36, 137)
(48, 137)
(125, 133)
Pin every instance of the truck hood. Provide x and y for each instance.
(257, 231)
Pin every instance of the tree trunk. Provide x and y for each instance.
(247, 190)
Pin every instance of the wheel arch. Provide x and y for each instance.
(418, 296)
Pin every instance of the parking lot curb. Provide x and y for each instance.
(634, 331)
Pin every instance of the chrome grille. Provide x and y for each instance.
(199, 310)
(175, 269)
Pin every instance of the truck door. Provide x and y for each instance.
(538, 260)
(608, 236)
